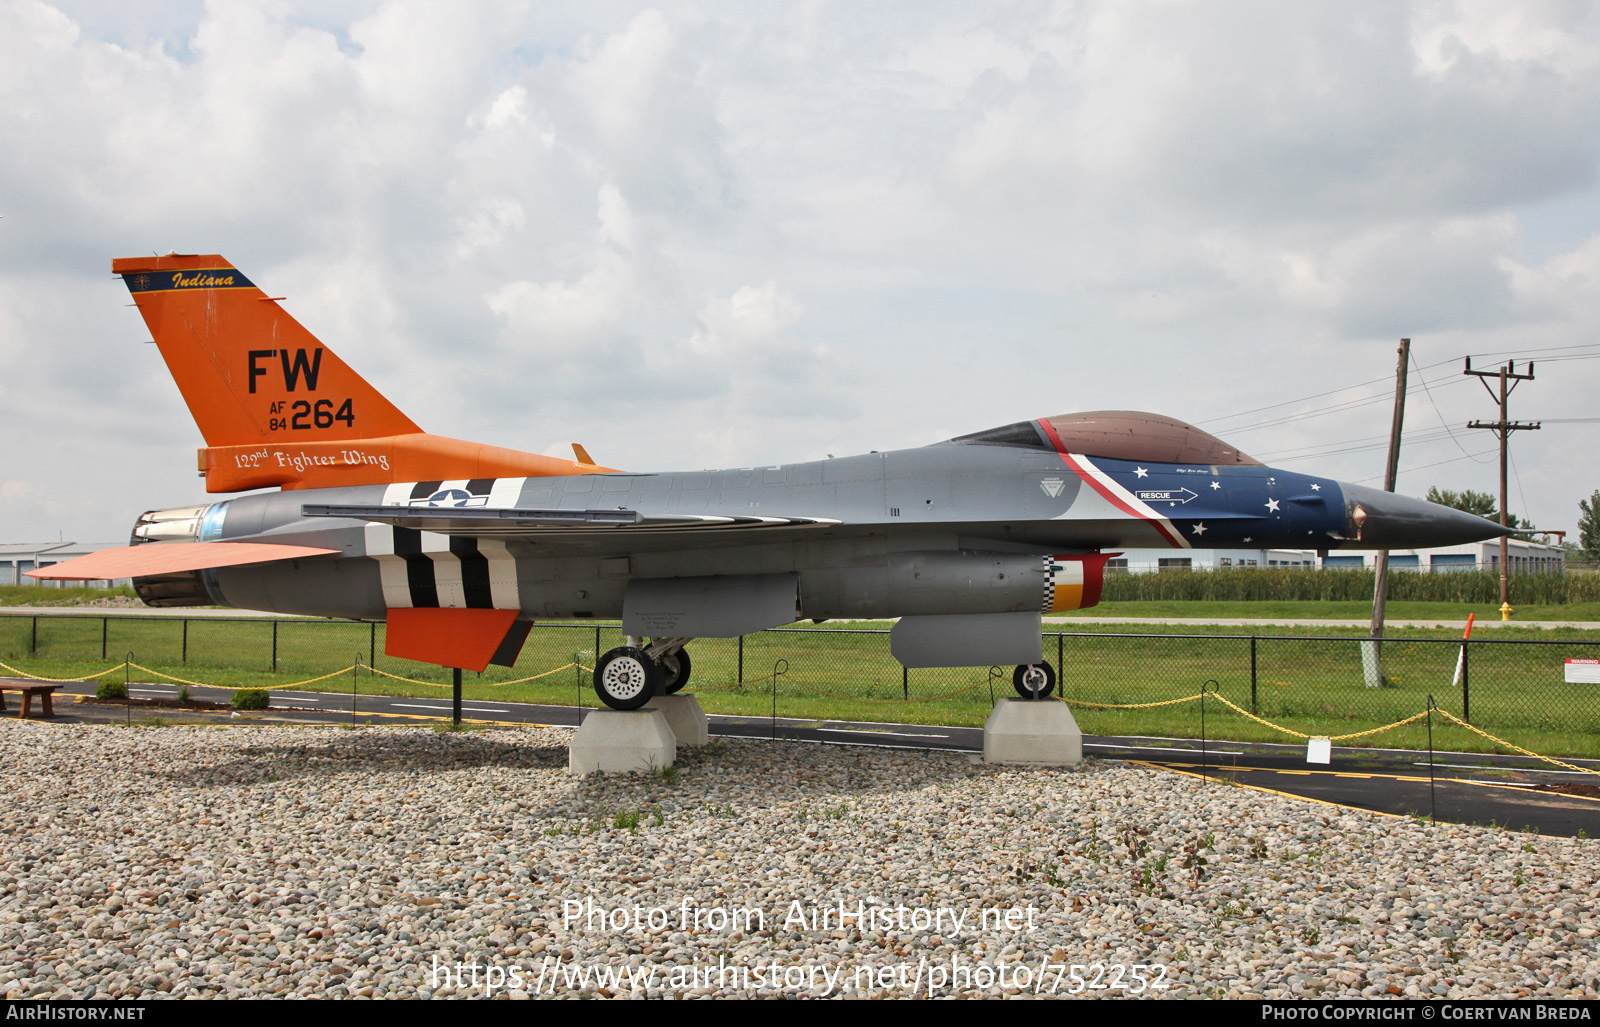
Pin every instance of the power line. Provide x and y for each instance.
(1436, 410)
(1300, 415)
(1360, 445)
(1360, 401)
(1422, 467)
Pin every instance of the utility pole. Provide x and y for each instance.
(1380, 584)
(1503, 428)
(1371, 655)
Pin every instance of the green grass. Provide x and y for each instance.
(1293, 610)
(1259, 584)
(1312, 684)
(45, 595)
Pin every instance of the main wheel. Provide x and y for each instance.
(674, 671)
(626, 679)
(1034, 681)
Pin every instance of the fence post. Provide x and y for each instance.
(905, 683)
(372, 645)
(1433, 807)
(1466, 705)
(33, 645)
(274, 647)
(780, 667)
(1253, 675)
(740, 679)
(104, 622)
(186, 640)
(1061, 670)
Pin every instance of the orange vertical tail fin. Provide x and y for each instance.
(276, 406)
(250, 372)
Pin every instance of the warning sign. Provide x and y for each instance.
(1585, 672)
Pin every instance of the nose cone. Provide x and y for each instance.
(1389, 521)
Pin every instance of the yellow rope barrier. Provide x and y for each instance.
(1377, 730)
(832, 695)
(235, 688)
(87, 677)
(475, 684)
(1518, 748)
(1129, 706)
(1300, 734)
(312, 681)
(535, 677)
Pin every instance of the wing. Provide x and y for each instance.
(578, 525)
(154, 558)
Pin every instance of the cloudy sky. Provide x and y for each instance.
(701, 235)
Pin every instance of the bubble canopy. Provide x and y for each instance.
(1117, 435)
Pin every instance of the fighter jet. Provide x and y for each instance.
(459, 547)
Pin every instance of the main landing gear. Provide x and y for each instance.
(630, 676)
(1035, 681)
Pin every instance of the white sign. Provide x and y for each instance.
(1583, 672)
(1319, 750)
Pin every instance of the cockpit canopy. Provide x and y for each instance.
(1118, 435)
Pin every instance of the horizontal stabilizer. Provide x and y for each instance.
(486, 522)
(469, 639)
(169, 558)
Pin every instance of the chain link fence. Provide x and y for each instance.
(1318, 684)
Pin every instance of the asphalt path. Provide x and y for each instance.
(1470, 788)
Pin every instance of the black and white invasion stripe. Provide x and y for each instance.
(426, 569)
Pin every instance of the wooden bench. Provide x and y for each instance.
(29, 689)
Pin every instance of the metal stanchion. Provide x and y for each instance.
(779, 667)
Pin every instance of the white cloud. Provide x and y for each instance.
(535, 222)
(749, 320)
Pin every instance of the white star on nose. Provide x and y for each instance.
(1216, 484)
(1140, 472)
(1200, 528)
(1272, 506)
(1315, 487)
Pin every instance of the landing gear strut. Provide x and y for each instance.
(1034, 681)
(674, 671)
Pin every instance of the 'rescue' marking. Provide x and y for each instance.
(1166, 495)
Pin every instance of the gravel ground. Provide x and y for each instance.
(407, 863)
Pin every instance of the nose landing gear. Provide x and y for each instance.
(1034, 681)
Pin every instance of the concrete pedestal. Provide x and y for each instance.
(1039, 732)
(685, 717)
(620, 741)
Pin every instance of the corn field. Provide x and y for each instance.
(1258, 584)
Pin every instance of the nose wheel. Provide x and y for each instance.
(1034, 681)
(625, 678)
